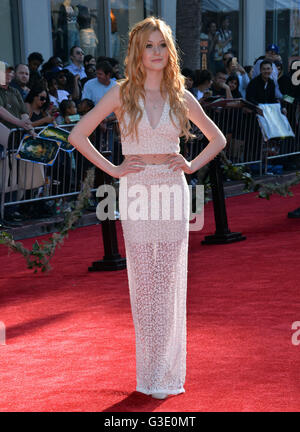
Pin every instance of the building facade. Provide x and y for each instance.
(51, 27)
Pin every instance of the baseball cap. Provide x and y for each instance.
(273, 47)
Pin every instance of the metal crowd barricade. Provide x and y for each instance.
(237, 119)
(238, 122)
(288, 146)
(25, 182)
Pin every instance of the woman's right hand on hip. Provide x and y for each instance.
(131, 164)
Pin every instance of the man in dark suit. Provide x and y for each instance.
(261, 89)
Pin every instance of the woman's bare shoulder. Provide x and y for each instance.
(115, 95)
(189, 98)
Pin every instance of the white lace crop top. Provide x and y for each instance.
(161, 140)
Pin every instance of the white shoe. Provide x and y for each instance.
(159, 395)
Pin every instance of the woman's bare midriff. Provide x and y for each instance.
(155, 159)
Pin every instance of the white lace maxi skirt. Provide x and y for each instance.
(157, 252)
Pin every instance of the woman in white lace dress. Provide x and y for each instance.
(153, 109)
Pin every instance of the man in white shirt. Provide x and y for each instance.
(76, 66)
(96, 88)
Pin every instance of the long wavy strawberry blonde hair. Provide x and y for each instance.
(132, 87)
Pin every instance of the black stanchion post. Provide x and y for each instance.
(223, 234)
(112, 260)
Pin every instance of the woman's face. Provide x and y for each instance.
(72, 110)
(233, 85)
(92, 62)
(62, 80)
(41, 99)
(155, 56)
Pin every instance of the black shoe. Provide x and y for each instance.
(294, 214)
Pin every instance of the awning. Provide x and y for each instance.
(226, 6)
(220, 5)
(283, 4)
(129, 4)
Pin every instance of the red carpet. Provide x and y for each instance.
(70, 336)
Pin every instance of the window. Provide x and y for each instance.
(220, 32)
(124, 14)
(283, 28)
(8, 33)
(76, 24)
(85, 25)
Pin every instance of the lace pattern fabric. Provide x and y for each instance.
(157, 257)
(157, 283)
(159, 201)
(162, 139)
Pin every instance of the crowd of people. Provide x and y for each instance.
(264, 82)
(41, 93)
(261, 83)
(45, 93)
